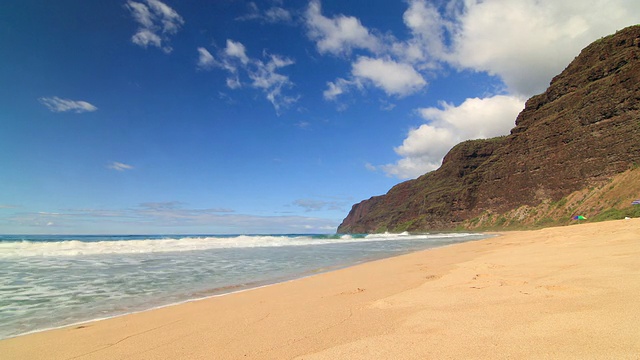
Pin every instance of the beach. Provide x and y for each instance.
(558, 293)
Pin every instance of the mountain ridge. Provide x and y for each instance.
(581, 133)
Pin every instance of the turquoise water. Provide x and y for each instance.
(52, 281)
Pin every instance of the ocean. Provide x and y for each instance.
(53, 281)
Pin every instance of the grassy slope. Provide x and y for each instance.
(609, 200)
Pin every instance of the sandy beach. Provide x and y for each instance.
(559, 293)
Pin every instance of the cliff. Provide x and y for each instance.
(580, 134)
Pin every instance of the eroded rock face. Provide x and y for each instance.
(583, 130)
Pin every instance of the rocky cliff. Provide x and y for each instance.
(579, 134)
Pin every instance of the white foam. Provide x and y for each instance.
(387, 235)
(74, 248)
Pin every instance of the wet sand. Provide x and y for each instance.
(559, 293)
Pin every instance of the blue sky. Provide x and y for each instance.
(230, 116)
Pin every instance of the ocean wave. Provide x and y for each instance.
(75, 247)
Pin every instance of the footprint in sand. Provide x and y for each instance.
(481, 276)
(353, 292)
(558, 288)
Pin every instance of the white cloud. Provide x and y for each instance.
(236, 49)
(300, 124)
(386, 106)
(525, 43)
(335, 88)
(156, 23)
(277, 14)
(205, 59)
(175, 209)
(144, 38)
(265, 77)
(273, 15)
(340, 35)
(318, 205)
(427, 28)
(57, 104)
(141, 14)
(158, 217)
(118, 166)
(370, 167)
(169, 18)
(233, 83)
(393, 77)
(262, 74)
(392, 67)
(339, 87)
(475, 118)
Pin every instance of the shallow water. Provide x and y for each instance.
(51, 281)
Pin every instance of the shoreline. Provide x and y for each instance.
(88, 315)
(218, 292)
(528, 294)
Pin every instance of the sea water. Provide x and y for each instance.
(53, 281)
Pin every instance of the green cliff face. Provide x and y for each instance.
(578, 136)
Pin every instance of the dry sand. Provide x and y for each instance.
(559, 293)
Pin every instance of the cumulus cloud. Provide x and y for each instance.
(338, 35)
(447, 125)
(262, 74)
(390, 68)
(157, 22)
(57, 104)
(393, 77)
(118, 166)
(524, 43)
(427, 26)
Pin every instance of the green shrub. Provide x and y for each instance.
(501, 220)
(404, 226)
(560, 203)
(545, 222)
(617, 214)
